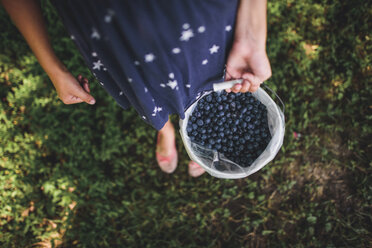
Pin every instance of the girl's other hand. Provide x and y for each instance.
(247, 63)
(72, 90)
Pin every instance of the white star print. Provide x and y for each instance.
(95, 34)
(120, 93)
(205, 62)
(214, 49)
(130, 80)
(201, 29)
(101, 83)
(136, 62)
(146, 90)
(110, 14)
(228, 28)
(143, 117)
(185, 26)
(94, 54)
(72, 37)
(97, 65)
(171, 75)
(188, 85)
(105, 69)
(176, 50)
(172, 83)
(156, 110)
(162, 85)
(149, 57)
(186, 35)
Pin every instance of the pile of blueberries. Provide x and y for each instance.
(233, 124)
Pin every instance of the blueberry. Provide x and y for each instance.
(189, 129)
(200, 122)
(247, 137)
(197, 114)
(203, 137)
(250, 126)
(231, 96)
(218, 146)
(211, 141)
(194, 126)
(208, 98)
(207, 107)
(220, 107)
(221, 134)
(203, 130)
(215, 128)
(221, 113)
(218, 99)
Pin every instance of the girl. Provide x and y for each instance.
(157, 56)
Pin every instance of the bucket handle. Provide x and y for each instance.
(230, 84)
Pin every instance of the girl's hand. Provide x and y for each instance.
(247, 63)
(72, 90)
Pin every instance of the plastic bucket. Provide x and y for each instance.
(215, 163)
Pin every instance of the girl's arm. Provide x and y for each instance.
(248, 59)
(26, 15)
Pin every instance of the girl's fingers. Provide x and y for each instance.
(236, 88)
(245, 86)
(75, 99)
(86, 87)
(254, 88)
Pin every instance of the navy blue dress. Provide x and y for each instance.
(155, 55)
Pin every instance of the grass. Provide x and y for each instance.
(86, 176)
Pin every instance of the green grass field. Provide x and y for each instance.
(86, 176)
